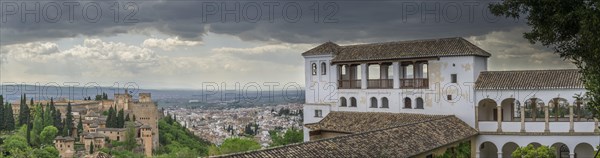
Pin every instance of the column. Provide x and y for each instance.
(546, 118)
(477, 118)
(474, 148)
(396, 74)
(522, 118)
(365, 75)
(499, 118)
(596, 125)
(571, 155)
(571, 124)
(500, 153)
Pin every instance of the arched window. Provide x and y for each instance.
(343, 102)
(407, 103)
(534, 109)
(352, 102)
(314, 69)
(323, 68)
(373, 102)
(419, 103)
(580, 110)
(559, 108)
(384, 102)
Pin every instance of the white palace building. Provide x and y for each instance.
(419, 98)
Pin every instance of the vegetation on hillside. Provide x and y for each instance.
(36, 132)
(234, 145)
(176, 141)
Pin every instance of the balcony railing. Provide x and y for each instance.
(349, 84)
(417, 83)
(380, 83)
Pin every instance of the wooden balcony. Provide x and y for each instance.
(349, 84)
(380, 83)
(414, 83)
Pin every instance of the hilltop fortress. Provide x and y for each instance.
(144, 113)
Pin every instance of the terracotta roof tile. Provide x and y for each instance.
(400, 141)
(399, 50)
(356, 122)
(529, 79)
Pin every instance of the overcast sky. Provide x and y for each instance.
(180, 44)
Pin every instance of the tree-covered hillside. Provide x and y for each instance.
(177, 141)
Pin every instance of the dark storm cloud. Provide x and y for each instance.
(279, 21)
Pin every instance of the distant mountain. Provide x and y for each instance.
(13, 93)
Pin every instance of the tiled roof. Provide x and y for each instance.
(529, 79)
(400, 141)
(356, 122)
(323, 49)
(399, 50)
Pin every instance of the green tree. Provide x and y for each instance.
(130, 136)
(48, 134)
(92, 148)
(2, 122)
(120, 119)
(570, 28)
(38, 125)
(9, 120)
(111, 118)
(134, 118)
(463, 150)
(235, 145)
(530, 151)
(45, 152)
(68, 121)
(174, 138)
(48, 116)
(289, 137)
(16, 144)
(56, 114)
(23, 111)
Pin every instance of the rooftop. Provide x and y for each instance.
(404, 140)
(356, 122)
(399, 50)
(529, 79)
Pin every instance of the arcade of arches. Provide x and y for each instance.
(490, 150)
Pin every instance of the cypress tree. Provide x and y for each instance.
(31, 102)
(134, 118)
(23, 112)
(49, 116)
(110, 118)
(2, 122)
(79, 127)
(69, 120)
(28, 133)
(38, 124)
(92, 148)
(64, 128)
(114, 121)
(56, 116)
(120, 119)
(9, 118)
